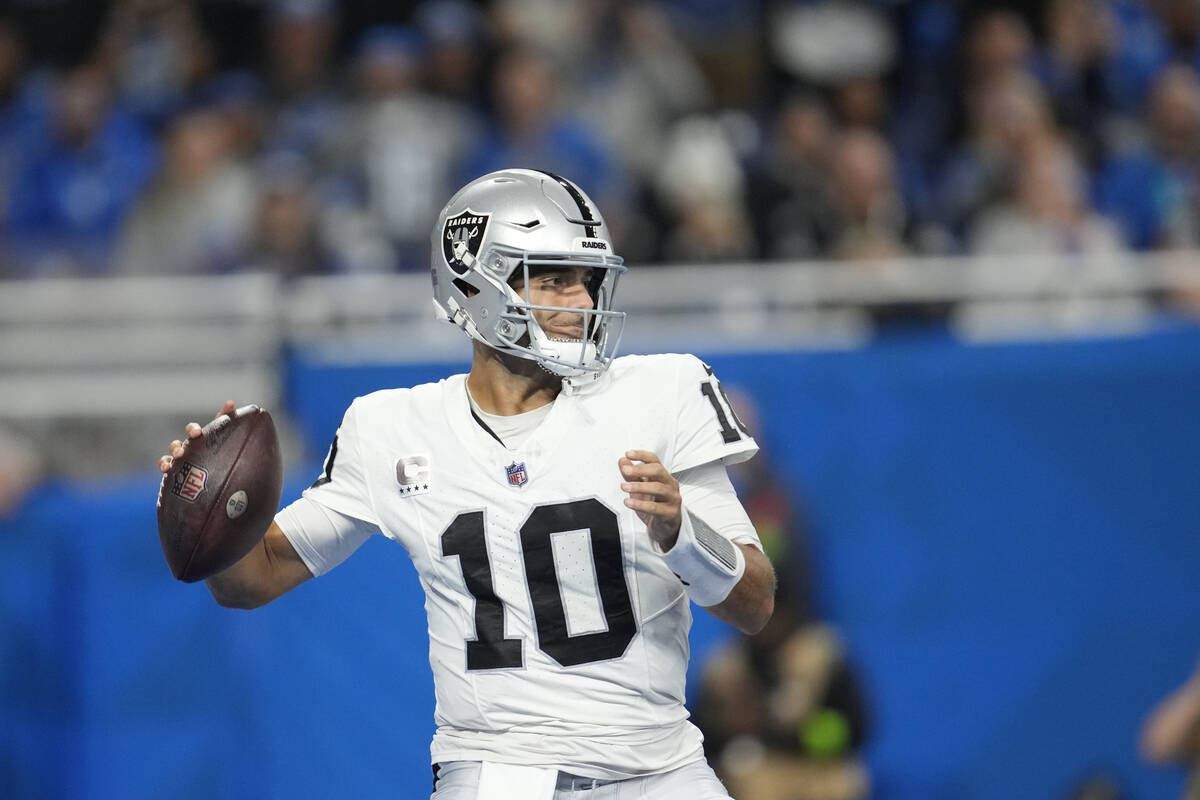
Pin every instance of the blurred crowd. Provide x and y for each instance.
(308, 136)
(785, 712)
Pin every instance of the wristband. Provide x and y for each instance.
(708, 564)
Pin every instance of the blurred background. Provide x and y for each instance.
(942, 254)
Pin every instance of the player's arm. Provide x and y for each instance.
(733, 581)
(752, 601)
(1172, 731)
(272, 568)
(306, 539)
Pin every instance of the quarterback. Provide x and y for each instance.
(561, 506)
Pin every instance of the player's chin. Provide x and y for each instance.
(571, 333)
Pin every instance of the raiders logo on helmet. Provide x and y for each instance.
(461, 237)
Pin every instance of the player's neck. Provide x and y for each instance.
(506, 385)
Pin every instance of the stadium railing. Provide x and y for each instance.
(105, 347)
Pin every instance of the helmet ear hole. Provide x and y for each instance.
(468, 289)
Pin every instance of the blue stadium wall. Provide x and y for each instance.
(1007, 536)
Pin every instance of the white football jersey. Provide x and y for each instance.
(557, 636)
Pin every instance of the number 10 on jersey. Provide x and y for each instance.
(466, 537)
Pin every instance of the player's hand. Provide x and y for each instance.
(653, 494)
(192, 430)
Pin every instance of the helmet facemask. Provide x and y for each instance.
(578, 358)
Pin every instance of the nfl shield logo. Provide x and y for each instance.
(461, 236)
(190, 481)
(516, 474)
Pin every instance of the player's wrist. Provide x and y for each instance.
(708, 564)
(664, 540)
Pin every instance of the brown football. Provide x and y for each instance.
(220, 496)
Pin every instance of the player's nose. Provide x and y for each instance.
(584, 301)
(579, 297)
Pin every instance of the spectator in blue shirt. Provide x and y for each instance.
(530, 131)
(1154, 191)
(71, 194)
(22, 109)
(302, 73)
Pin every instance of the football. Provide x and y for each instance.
(219, 497)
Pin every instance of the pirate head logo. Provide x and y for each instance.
(461, 237)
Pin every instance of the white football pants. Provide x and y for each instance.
(458, 780)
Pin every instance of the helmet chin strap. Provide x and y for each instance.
(555, 356)
(559, 351)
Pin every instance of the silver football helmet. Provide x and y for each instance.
(505, 225)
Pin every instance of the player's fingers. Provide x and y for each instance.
(176, 448)
(651, 507)
(653, 489)
(164, 463)
(643, 498)
(646, 472)
(665, 493)
(645, 456)
(193, 428)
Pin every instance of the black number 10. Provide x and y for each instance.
(467, 538)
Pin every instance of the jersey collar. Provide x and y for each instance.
(480, 440)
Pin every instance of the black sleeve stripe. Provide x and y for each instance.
(327, 476)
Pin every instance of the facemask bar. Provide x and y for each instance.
(599, 345)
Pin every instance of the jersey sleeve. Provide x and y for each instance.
(706, 428)
(322, 537)
(709, 494)
(342, 485)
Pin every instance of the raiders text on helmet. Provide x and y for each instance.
(504, 225)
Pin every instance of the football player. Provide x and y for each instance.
(561, 506)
